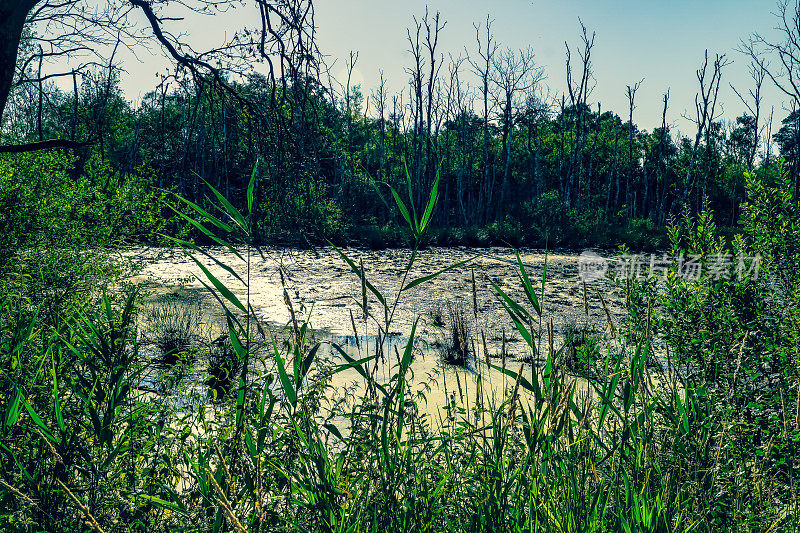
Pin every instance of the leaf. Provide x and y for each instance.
(432, 197)
(38, 421)
(190, 245)
(423, 279)
(162, 503)
(251, 188)
(358, 273)
(219, 285)
(231, 211)
(410, 196)
(358, 366)
(403, 210)
(209, 234)
(214, 220)
(514, 310)
(535, 389)
(56, 401)
(526, 284)
(517, 309)
(333, 430)
(14, 408)
(409, 350)
(309, 358)
(288, 389)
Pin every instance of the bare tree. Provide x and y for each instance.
(786, 75)
(379, 101)
(416, 100)
(80, 34)
(578, 90)
(661, 192)
(458, 108)
(482, 67)
(513, 74)
(432, 28)
(758, 73)
(630, 93)
(705, 103)
(50, 32)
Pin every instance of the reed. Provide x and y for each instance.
(286, 452)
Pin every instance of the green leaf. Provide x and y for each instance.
(357, 365)
(231, 211)
(516, 312)
(56, 401)
(423, 279)
(288, 389)
(214, 220)
(403, 210)
(38, 421)
(526, 283)
(307, 360)
(251, 188)
(223, 290)
(411, 196)
(358, 273)
(162, 503)
(519, 312)
(333, 430)
(432, 197)
(14, 408)
(409, 350)
(524, 383)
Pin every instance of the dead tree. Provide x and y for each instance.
(433, 26)
(482, 67)
(705, 102)
(379, 101)
(79, 33)
(661, 191)
(578, 90)
(513, 74)
(786, 74)
(458, 109)
(758, 73)
(630, 93)
(416, 101)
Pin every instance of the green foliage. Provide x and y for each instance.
(45, 202)
(547, 218)
(707, 446)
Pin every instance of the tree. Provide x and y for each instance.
(514, 74)
(786, 75)
(80, 32)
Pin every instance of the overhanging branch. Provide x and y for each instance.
(43, 145)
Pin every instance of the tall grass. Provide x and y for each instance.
(84, 448)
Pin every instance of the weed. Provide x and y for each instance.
(173, 327)
(581, 348)
(457, 347)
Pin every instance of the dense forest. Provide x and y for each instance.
(513, 393)
(516, 164)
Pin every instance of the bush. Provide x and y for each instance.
(546, 219)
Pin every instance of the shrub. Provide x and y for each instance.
(546, 219)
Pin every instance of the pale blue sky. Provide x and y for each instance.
(660, 41)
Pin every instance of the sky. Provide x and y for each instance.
(661, 42)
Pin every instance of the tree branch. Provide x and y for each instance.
(43, 145)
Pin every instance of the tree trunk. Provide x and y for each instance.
(12, 20)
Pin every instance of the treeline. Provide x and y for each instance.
(514, 165)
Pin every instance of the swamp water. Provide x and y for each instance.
(326, 293)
